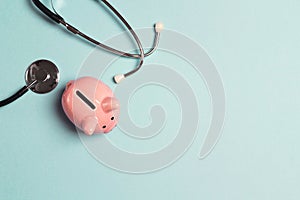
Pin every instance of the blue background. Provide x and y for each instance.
(255, 46)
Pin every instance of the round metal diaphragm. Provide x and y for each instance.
(42, 76)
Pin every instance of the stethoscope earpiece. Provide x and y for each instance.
(119, 78)
(41, 77)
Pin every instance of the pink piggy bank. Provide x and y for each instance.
(91, 105)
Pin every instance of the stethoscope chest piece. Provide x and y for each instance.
(42, 76)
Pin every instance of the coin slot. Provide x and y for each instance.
(85, 100)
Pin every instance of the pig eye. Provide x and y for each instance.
(103, 126)
(112, 118)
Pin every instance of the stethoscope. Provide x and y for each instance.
(42, 76)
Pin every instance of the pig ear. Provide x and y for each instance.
(109, 104)
(89, 125)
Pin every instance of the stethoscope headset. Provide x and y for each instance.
(42, 76)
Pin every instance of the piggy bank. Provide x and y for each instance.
(91, 105)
